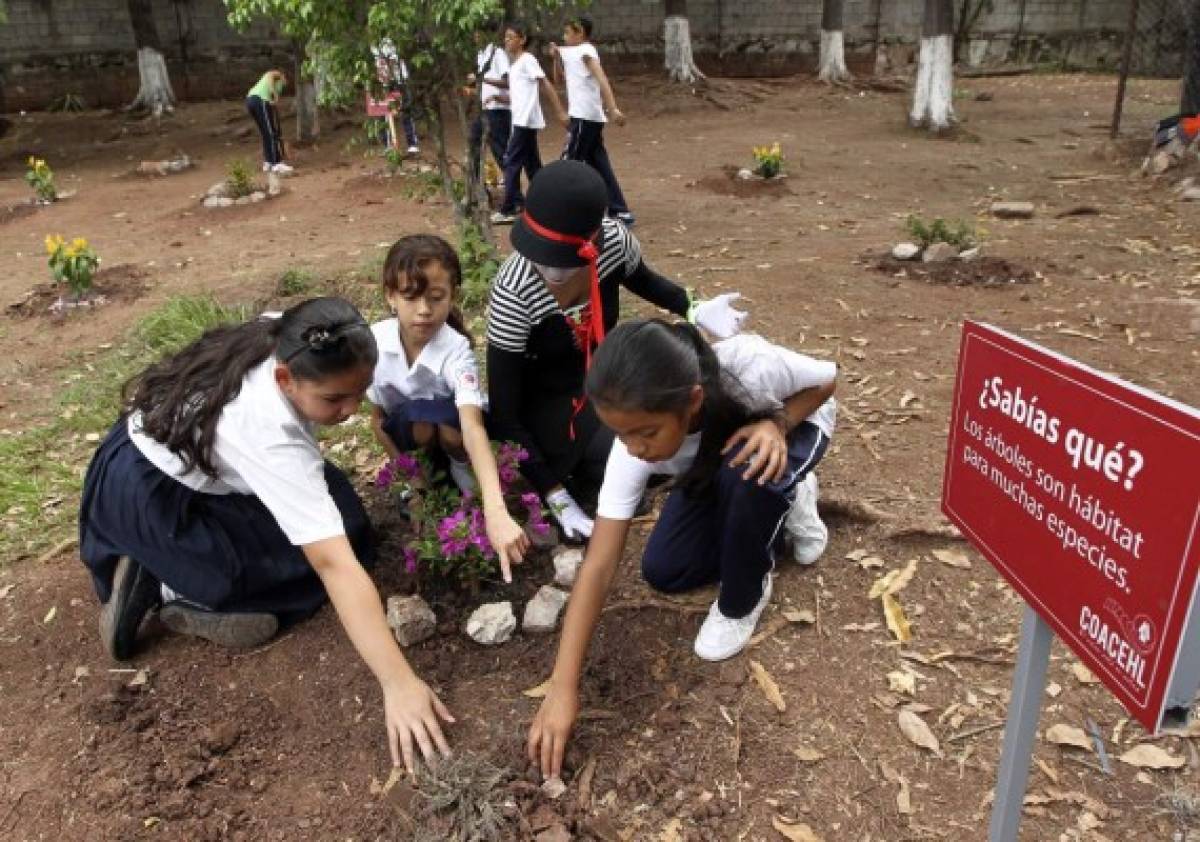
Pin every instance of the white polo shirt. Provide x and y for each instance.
(770, 375)
(523, 95)
(262, 447)
(583, 91)
(446, 367)
(491, 63)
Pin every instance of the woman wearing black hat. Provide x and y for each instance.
(551, 303)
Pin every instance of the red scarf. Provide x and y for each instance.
(589, 332)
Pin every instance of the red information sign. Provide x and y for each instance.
(1084, 492)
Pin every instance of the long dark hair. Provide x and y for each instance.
(651, 365)
(404, 271)
(182, 396)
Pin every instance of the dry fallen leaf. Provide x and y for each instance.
(1146, 756)
(801, 616)
(893, 581)
(904, 798)
(394, 777)
(1068, 735)
(1083, 675)
(917, 731)
(856, 555)
(769, 687)
(902, 681)
(798, 832)
(538, 692)
(807, 755)
(954, 558)
(670, 831)
(81, 672)
(50, 615)
(140, 678)
(897, 623)
(6, 590)
(554, 787)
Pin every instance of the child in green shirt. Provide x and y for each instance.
(260, 102)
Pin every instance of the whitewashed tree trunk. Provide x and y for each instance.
(933, 103)
(154, 84)
(833, 58)
(681, 67)
(307, 125)
(832, 63)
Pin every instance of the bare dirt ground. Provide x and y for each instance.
(286, 743)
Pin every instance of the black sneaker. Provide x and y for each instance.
(134, 593)
(233, 630)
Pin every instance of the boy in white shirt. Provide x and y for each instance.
(491, 83)
(588, 95)
(526, 81)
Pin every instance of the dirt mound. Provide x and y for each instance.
(982, 271)
(123, 284)
(729, 184)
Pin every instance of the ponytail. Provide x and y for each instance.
(649, 365)
(181, 397)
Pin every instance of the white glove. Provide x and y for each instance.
(718, 317)
(575, 524)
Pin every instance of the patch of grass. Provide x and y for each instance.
(958, 233)
(239, 178)
(42, 468)
(294, 282)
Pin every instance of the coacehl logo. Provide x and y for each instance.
(1125, 642)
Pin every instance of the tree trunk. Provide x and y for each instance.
(833, 52)
(677, 35)
(933, 96)
(1189, 101)
(307, 126)
(154, 89)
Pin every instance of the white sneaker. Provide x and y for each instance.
(266, 167)
(283, 169)
(414, 150)
(502, 218)
(721, 638)
(460, 472)
(807, 533)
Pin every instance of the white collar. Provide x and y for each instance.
(433, 355)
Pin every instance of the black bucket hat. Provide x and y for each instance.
(565, 198)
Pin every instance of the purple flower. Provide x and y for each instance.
(410, 560)
(531, 501)
(408, 465)
(385, 477)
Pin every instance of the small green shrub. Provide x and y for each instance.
(768, 160)
(40, 177)
(958, 233)
(294, 282)
(479, 265)
(72, 263)
(239, 178)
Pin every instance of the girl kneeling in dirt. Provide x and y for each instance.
(741, 425)
(209, 500)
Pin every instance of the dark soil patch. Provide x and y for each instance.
(982, 271)
(743, 188)
(20, 210)
(123, 283)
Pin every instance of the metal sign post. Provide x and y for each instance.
(1024, 707)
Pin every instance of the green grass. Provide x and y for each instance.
(41, 468)
(294, 282)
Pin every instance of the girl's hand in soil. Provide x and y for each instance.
(551, 729)
(411, 711)
(508, 539)
(763, 450)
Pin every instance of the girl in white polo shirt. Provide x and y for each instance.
(426, 387)
(741, 425)
(210, 498)
(526, 81)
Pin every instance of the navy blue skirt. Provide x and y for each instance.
(398, 420)
(223, 551)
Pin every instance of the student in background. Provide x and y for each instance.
(262, 103)
(495, 113)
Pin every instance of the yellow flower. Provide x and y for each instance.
(32, 161)
(53, 243)
(78, 244)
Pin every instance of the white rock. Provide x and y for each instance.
(242, 200)
(218, 189)
(492, 624)
(566, 565)
(745, 174)
(411, 619)
(274, 186)
(217, 202)
(257, 196)
(905, 251)
(969, 254)
(541, 612)
(1012, 210)
(939, 253)
(1192, 194)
